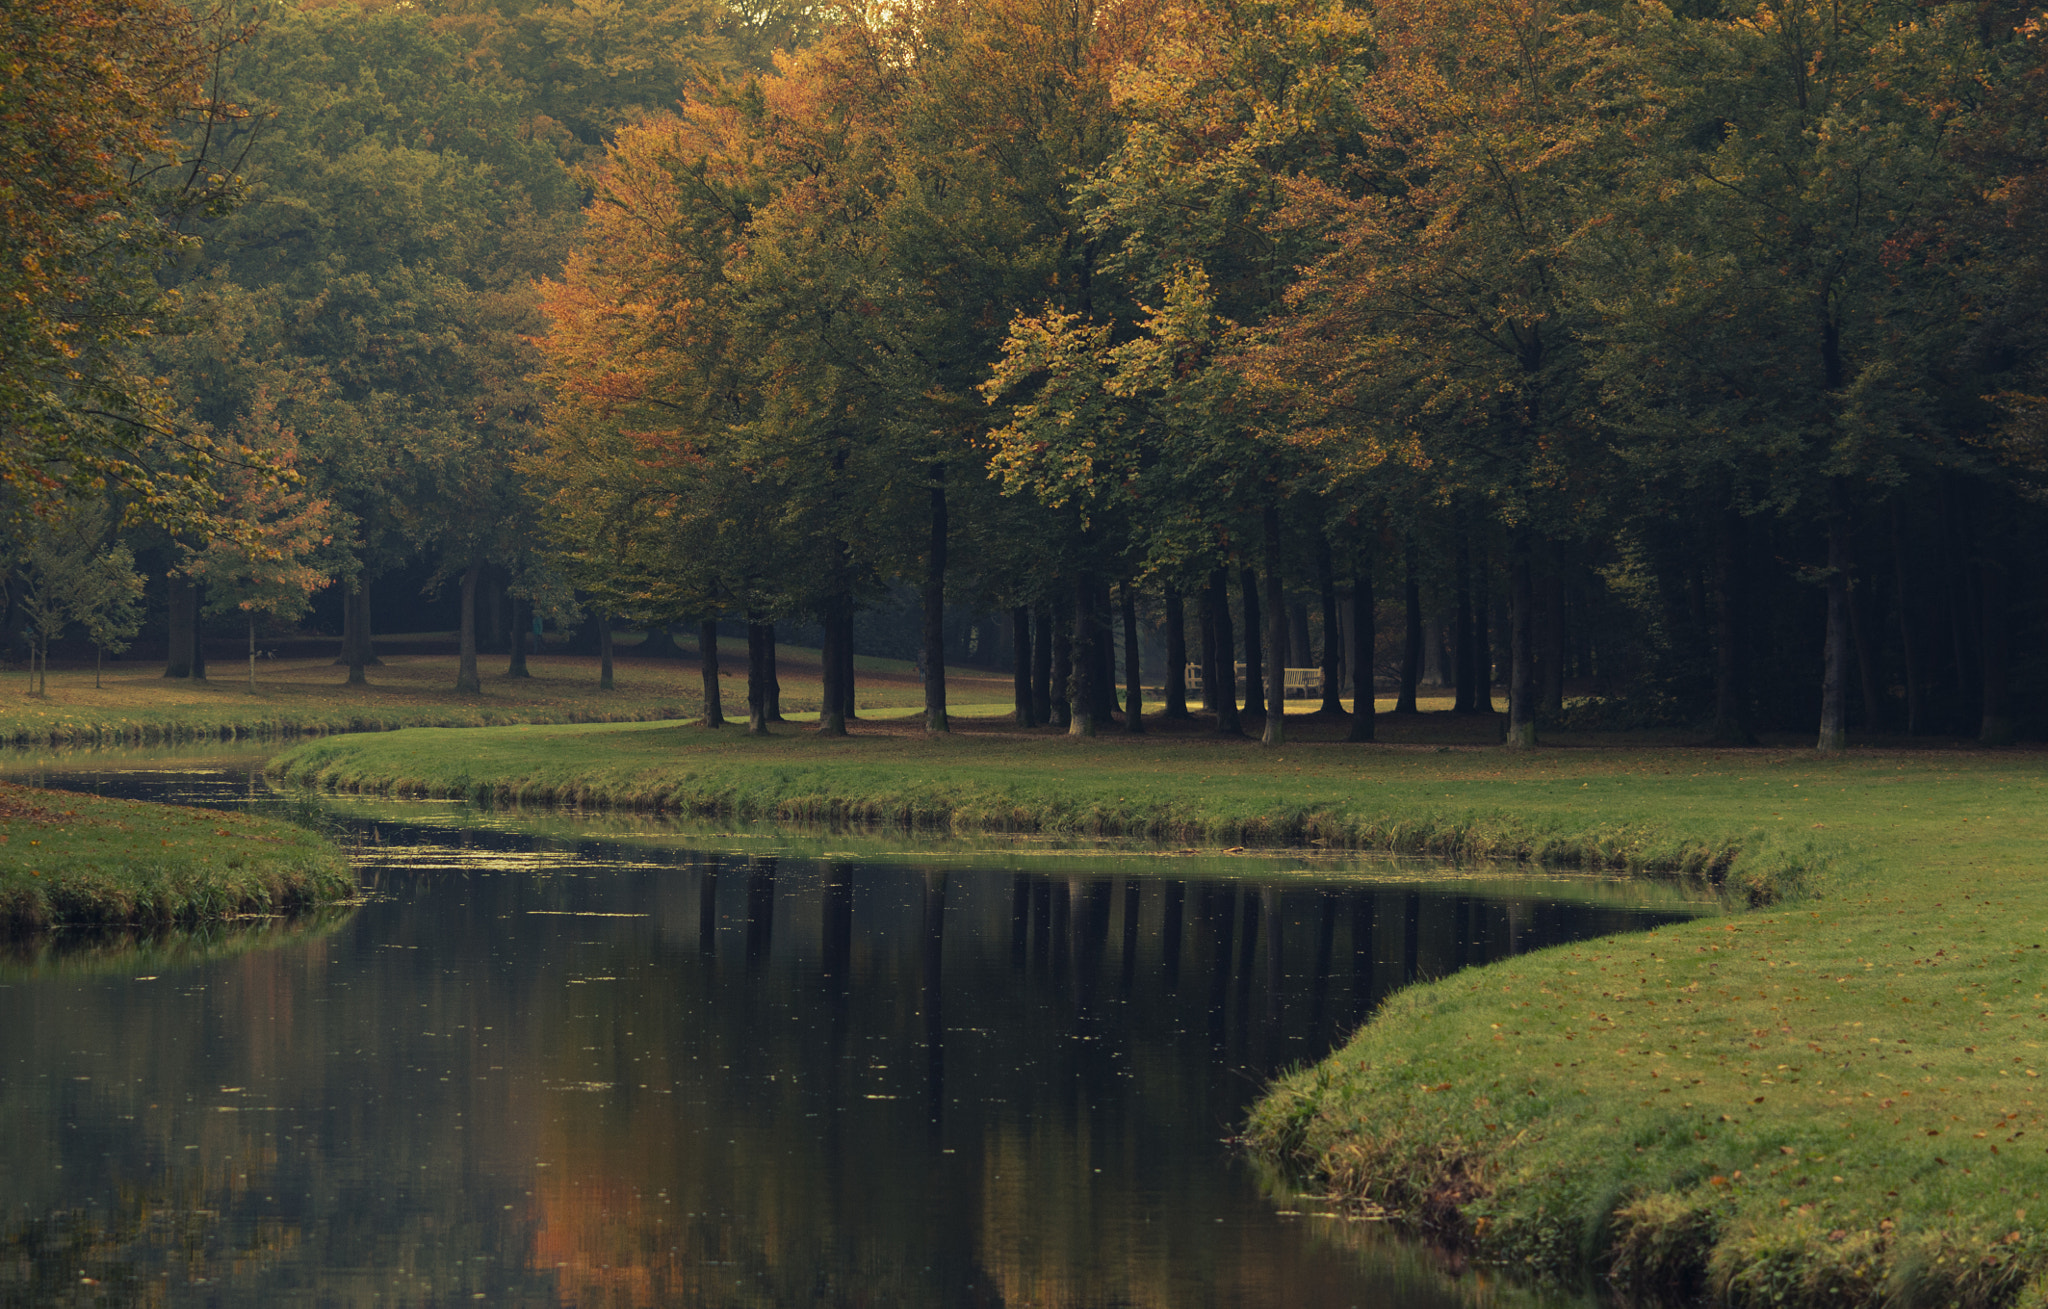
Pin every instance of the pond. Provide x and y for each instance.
(601, 1062)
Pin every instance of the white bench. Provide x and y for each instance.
(1302, 682)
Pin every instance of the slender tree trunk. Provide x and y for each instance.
(1020, 660)
(1521, 648)
(183, 621)
(1466, 694)
(1996, 726)
(1176, 654)
(1227, 721)
(252, 650)
(1254, 641)
(1276, 629)
(757, 676)
(604, 652)
(1834, 735)
(1333, 632)
(1134, 690)
(1060, 676)
(1731, 717)
(1411, 636)
(1916, 715)
(466, 679)
(1081, 699)
(522, 623)
(935, 609)
(1041, 664)
(771, 708)
(1364, 709)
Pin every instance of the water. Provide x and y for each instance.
(605, 1066)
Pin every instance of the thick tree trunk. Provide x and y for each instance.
(1996, 726)
(849, 704)
(1411, 635)
(1834, 734)
(1225, 680)
(1521, 649)
(935, 609)
(1134, 691)
(1464, 678)
(1364, 710)
(494, 629)
(604, 652)
(1081, 680)
(1276, 631)
(1909, 644)
(1205, 623)
(1041, 665)
(1254, 646)
(832, 704)
(1102, 701)
(1020, 661)
(1333, 632)
(707, 666)
(1176, 654)
(758, 642)
(466, 679)
(1301, 648)
(522, 624)
(772, 707)
(184, 615)
(1060, 679)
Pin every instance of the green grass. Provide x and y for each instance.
(80, 860)
(1836, 1097)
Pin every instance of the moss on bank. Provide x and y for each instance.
(1834, 1099)
(80, 860)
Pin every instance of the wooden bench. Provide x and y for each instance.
(1301, 682)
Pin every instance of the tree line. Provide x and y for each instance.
(1691, 352)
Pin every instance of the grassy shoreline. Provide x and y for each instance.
(1835, 1098)
(72, 860)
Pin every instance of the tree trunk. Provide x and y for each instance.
(757, 676)
(1916, 714)
(183, 621)
(1333, 632)
(848, 705)
(1550, 639)
(1364, 709)
(1301, 649)
(466, 679)
(251, 614)
(357, 638)
(494, 610)
(1834, 735)
(832, 705)
(1081, 698)
(1060, 675)
(1521, 649)
(1996, 727)
(604, 652)
(1276, 632)
(1411, 634)
(1102, 698)
(935, 609)
(1465, 697)
(1227, 721)
(522, 622)
(1254, 653)
(1020, 660)
(1041, 665)
(1176, 654)
(771, 708)
(1205, 620)
(198, 630)
(1866, 660)
(1134, 690)
(1731, 716)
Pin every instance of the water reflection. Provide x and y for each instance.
(638, 1077)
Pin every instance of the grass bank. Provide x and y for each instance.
(1834, 1098)
(81, 860)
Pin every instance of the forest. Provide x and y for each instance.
(1662, 366)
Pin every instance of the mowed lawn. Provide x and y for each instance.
(1835, 1093)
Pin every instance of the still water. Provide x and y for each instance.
(617, 1067)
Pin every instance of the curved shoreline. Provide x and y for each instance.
(1800, 1105)
(74, 860)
